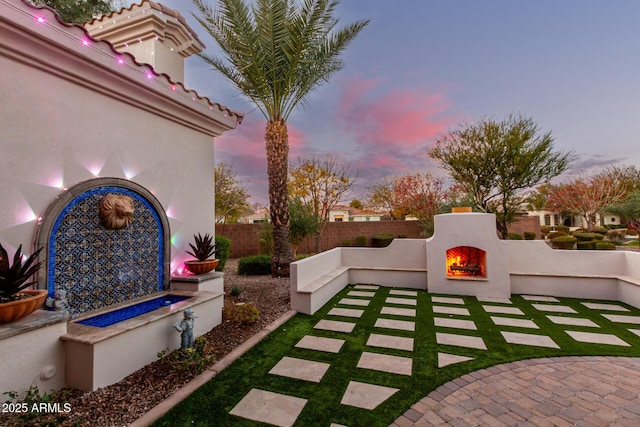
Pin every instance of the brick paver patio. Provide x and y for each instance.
(587, 390)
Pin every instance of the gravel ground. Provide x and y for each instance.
(124, 402)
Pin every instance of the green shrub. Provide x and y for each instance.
(598, 236)
(585, 237)
(561, 227)
(605, 246)
(245, 313)
(361, 240)
(545, 229)
(254, 265)
(381, 240)
(529, 235)
(265, 239)
(586, 245)
(346, 242)
(555, 234)
(563, 242)
(600, 230)
(235, 291)
(515, 236)
(223, 251)
(616, 236)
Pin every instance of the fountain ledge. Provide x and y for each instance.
(104, 356)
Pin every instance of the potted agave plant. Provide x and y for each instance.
(16, 301)
(203, 249)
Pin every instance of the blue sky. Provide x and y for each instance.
(423, 67)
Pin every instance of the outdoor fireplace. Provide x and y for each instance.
(466, 257)
(466, 261)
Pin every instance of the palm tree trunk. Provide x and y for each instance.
(277, 145)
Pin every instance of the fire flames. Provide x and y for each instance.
(465, 261)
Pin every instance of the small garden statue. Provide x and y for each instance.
(59, 303)
(185, 327)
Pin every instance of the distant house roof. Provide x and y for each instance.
(44, 15)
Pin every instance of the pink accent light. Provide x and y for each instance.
(41, 20)
(149, 75)
(120, 61)
(85, 42)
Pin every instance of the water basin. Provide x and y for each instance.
(129, 312)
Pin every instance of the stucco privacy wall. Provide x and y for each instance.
(73, 109)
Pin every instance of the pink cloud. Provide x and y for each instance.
(401, 117)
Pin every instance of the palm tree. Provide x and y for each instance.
(276, 52)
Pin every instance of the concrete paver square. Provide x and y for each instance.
(335, 326)
(539, 298)
(353, 301)
(267, 407)
(450, 310)
(369, 287)
(402, 325)
(346, 312)
(519, 323)
(446, 322)
(403, 292)
(635, 331)
(390, 341)
(366, 396)
(402, 301)
(554, 308)
(337, 425)
(361, 294)
(386, 363)
(397, 311)
(595, 338)
(301, 369)
(495, 300)
(445, 359)
(622, 318)
(498, 309)
(330, 345)
(460, 341)
(529, 339)
(598, 306)
(447, 300)
(572, 321)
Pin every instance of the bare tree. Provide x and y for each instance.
(231, 197)
(320, 183)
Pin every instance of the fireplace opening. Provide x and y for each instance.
(466, 261)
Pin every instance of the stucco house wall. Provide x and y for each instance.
(73, 109)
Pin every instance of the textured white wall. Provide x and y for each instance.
(71, 112)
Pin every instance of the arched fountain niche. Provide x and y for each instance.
(98, 265)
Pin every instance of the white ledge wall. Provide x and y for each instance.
(525, 267)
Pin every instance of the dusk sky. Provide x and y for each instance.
(423, 67)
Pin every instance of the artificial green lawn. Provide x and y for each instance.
(211, 404)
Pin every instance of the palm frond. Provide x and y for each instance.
(277, 51)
